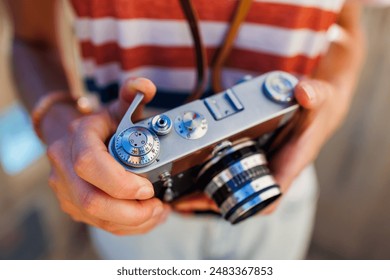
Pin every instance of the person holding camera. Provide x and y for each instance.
(135, 46)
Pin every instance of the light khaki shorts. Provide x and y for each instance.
(285, 234)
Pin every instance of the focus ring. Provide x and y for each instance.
(220, 195)
(235, 172)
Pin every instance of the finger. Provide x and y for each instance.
(131, 86)
(93, 163)
(311, 94)
(302, 148)
(111, 226)
(58, 160)
(91, 202)
(127, 93)
(196, 202)
(95, 203)
(291, 159)
(143, 228)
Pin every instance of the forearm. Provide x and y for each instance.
(37, 66)
(38, 72)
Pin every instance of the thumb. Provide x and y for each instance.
(128, 91)
(311, 94)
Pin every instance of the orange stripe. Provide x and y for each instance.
(183, 57)
(282, 15)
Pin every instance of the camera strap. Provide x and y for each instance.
(221, 53)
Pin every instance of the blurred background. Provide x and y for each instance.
(353, 216)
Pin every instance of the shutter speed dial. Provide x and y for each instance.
(192, 120)
(191, 125)
(137, 146)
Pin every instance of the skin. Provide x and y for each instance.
(93, 188)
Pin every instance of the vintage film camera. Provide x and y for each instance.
(211, 145)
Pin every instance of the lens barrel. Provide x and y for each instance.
(239, 181)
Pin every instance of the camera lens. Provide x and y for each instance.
(239, 181)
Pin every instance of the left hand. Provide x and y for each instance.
(322, 112)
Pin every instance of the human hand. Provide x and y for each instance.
(90, 185)
(322, 111)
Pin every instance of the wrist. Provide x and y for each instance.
(54, 124)
(56, 110)
(44, 105)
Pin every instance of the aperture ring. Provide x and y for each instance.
(230, 187)
(232, 173)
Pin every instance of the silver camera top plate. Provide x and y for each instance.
(202, 123)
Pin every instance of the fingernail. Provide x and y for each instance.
(157, 211)
(144, 192)
(136, 82)
(310, 92)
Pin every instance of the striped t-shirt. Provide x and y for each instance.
(151, 38)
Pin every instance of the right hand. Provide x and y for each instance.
(90, 185)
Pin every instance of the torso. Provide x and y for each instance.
(149, 38)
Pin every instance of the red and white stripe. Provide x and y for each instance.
(252, 37)
(122, 38)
